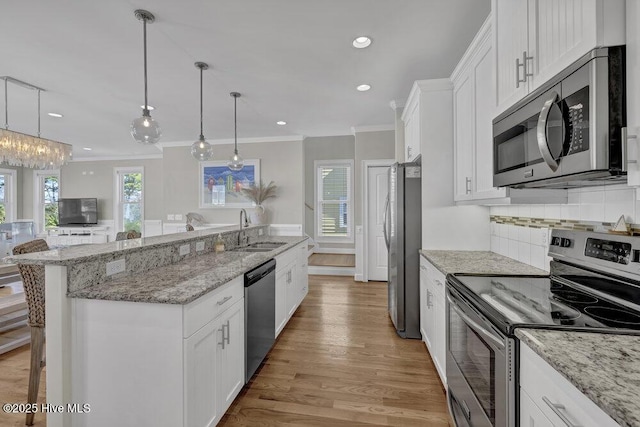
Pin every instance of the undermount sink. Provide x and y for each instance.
(266, 245)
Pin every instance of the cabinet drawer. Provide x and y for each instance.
(556, 397)
(284, 259)
(435, 278)
(201, 311)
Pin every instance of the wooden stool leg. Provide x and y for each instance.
(37, 341)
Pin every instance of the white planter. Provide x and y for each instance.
(259, 215)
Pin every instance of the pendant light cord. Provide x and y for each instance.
(6, 105)
(201, 134)
(38, 113)
(235, 122)
(144, 36)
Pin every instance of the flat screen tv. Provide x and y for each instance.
(77, 211)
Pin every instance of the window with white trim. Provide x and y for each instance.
(334, 200)
(46, 193)
(129, 194)
(8, 195)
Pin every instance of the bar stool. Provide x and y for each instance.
(33, 282)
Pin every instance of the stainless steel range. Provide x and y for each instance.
(594, 285)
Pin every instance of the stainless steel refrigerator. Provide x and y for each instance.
(403, 235)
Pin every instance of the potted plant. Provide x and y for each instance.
(258, 193)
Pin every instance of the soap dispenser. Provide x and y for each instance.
(219, 244)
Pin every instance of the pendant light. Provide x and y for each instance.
(201, 150)
(236, 162)
(144, 129)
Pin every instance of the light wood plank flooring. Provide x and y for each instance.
(338, 362)
(332, 260)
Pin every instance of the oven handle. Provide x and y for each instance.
(542, 132)
(474, 325)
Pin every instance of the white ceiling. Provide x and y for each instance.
(291, 60)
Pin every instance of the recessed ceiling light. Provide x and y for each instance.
(87, 148)
(57, 115)
(361, 42)
(363, 88)
(149, 107)
(281, 122)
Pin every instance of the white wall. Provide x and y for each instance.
(589, 206)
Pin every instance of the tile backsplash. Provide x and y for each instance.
(522, 232)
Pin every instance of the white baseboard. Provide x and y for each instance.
(331, 271)
(319, 250)
(358, 278)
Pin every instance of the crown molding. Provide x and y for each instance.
(116, 158)
(396, 104)
(289, 138)
(373, 128)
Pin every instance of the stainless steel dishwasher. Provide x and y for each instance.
(259, 315)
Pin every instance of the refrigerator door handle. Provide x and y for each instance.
(384, 222)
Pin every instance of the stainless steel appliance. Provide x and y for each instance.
(594, 285)
(570, 131)
(259, 315)
(403, 236)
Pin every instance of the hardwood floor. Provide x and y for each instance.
(338, 362)
(332, 260)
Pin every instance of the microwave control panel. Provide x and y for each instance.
(576, 109)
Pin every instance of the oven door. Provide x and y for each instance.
(479, 371)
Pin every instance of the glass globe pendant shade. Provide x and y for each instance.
(145, 130)
(236, 162)
(201, 150)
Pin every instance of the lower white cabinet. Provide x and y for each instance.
(433, 322)
(549, 399)
(230, 356)
(292, 283)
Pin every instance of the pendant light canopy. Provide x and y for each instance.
(236, 162)
(144, 129)
(201, 150)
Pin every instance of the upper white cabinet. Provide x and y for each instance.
(633, 92)
(411, 118)
(536, 39)
(474, 107)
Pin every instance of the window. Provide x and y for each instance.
(129, 204)
(334, 204)
(46, 192)
(8, 194)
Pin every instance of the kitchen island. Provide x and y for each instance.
(136, 346)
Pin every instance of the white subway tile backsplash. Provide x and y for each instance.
(552, 211)
(592, 205)
(524, 252)
(538, 257)
(537, 211)
(503, 230)
(504, 246)
(495, 244)
(513, 249)
(524, 211)
(494, 229)
(619, 202)
(570, 211)
(524, 234)
(513, 232)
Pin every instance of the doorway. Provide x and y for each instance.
(375, 196)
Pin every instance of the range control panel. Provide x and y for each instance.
(608, 250)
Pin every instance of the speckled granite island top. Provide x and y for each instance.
(186, 280)
(605, 367)
(477, 262)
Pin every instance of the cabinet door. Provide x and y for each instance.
(230, 356)
(440, 336)
(510, 27)
(412, 133)
(485, 106)
(200, 376)
(564, 32)
(423, 301)
(463, 105)
(293, 294)
(303, 272)
(429, 319)
(281, 300)
(530, 414)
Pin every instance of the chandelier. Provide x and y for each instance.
(20, 149)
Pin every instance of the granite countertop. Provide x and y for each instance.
(187, 280)
(78, 253)
(478, 262)
(605, 367)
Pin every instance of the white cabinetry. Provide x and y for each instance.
(549, 399)
(292, 283)
(633, 92)
(68, 236)
(230, 356)
(433, 325)
(535, 39)
(474, 106)
(411, 119)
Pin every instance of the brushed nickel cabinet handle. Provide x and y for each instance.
(560, 410)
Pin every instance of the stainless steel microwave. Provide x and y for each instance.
(570, 131)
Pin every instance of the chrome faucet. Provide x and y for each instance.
(242, 241)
